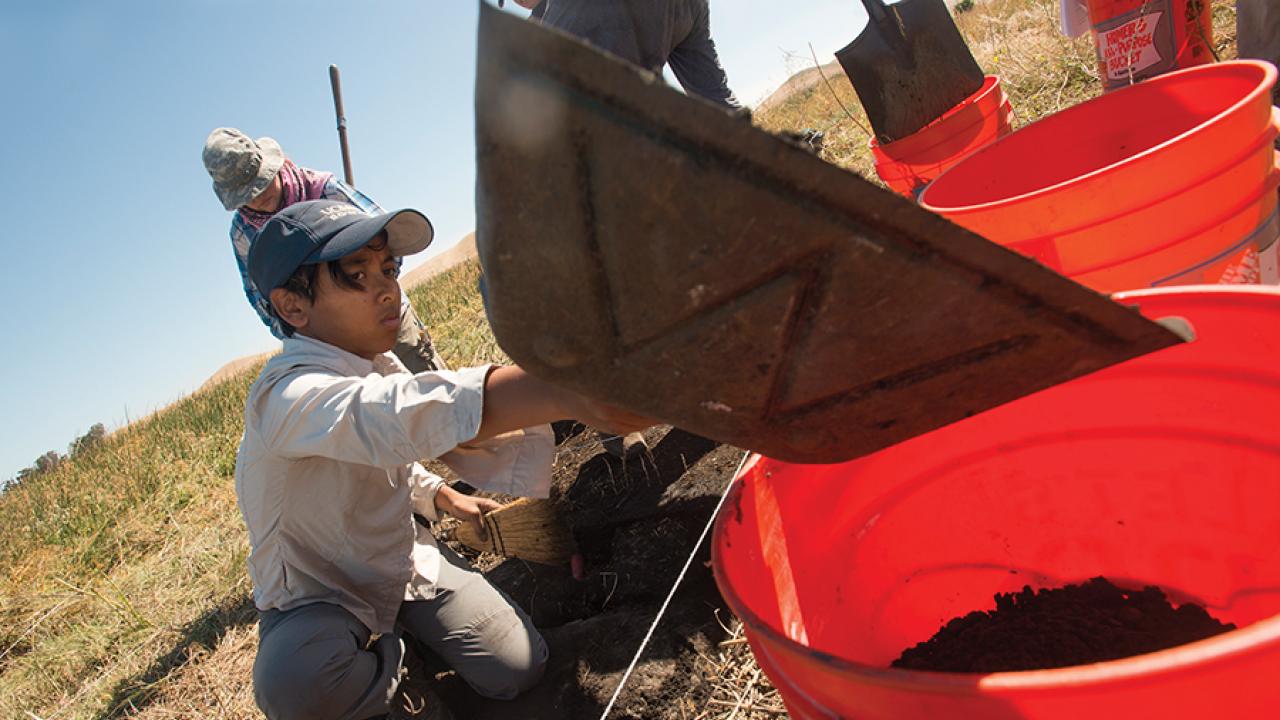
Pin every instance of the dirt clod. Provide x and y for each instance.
(1058, 627)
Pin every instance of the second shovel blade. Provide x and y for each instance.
(908, 73)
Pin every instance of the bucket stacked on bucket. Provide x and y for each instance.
(1162, 470)
(1172, 181)
(907, 165)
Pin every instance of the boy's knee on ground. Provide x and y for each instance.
(327, 677)
(515, 660)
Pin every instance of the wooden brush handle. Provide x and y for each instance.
(528, 529)
(495, 534)
(467, 535)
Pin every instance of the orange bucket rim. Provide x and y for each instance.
(1268, 188)
(1204, 289)
(889, 155)
(1269, 77)
(990, 86)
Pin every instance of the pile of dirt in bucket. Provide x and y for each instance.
(636, 521)
(1059, 627)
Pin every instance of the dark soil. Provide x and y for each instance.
(636, 522)
(1051, 628)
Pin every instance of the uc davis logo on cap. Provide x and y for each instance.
(334, 212)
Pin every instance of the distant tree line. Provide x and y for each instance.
(51, 460)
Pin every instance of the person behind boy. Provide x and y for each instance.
(327, 479)
(648, 33)
(651, 34)
(254, 179)
(1258, 34)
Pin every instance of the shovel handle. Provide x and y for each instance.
(335, 82)
(876, 11)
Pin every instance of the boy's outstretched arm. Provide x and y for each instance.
(514, 399)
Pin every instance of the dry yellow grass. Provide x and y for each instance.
(450, 305)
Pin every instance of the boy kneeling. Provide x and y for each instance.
(327, 478)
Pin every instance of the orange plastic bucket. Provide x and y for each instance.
(1172, 181)
(909, 164)
(1163, 470)
(1139, 39)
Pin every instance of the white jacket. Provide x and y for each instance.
(327, 476)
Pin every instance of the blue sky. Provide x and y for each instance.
(122, 293)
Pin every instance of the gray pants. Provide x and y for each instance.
(315, 662)
(414, 346)
(1258, 32)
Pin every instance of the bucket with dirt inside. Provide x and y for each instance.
(1162, 470)
(1169, 182)
(1139, 39)
(907, 165)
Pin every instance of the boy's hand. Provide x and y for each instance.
(466, 508)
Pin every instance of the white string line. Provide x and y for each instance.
(680, 578)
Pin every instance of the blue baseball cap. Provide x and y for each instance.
(316, 231)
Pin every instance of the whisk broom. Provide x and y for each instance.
(528, 529)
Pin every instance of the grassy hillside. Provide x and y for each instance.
(121, 562)
(122, 584)
(1041, 70)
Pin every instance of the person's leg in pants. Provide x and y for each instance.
(414, 346)
(471, 625)
(1258, 33)
(313, 664)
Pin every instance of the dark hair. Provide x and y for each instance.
(303, 280)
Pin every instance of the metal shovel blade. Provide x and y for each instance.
(909, 66)
(653, 251)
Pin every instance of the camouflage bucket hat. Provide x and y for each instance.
(241, 167)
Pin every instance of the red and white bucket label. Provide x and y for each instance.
(1245, 269)
(1136, 45)
(1259, 263)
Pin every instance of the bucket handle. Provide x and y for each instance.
(773, 547)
